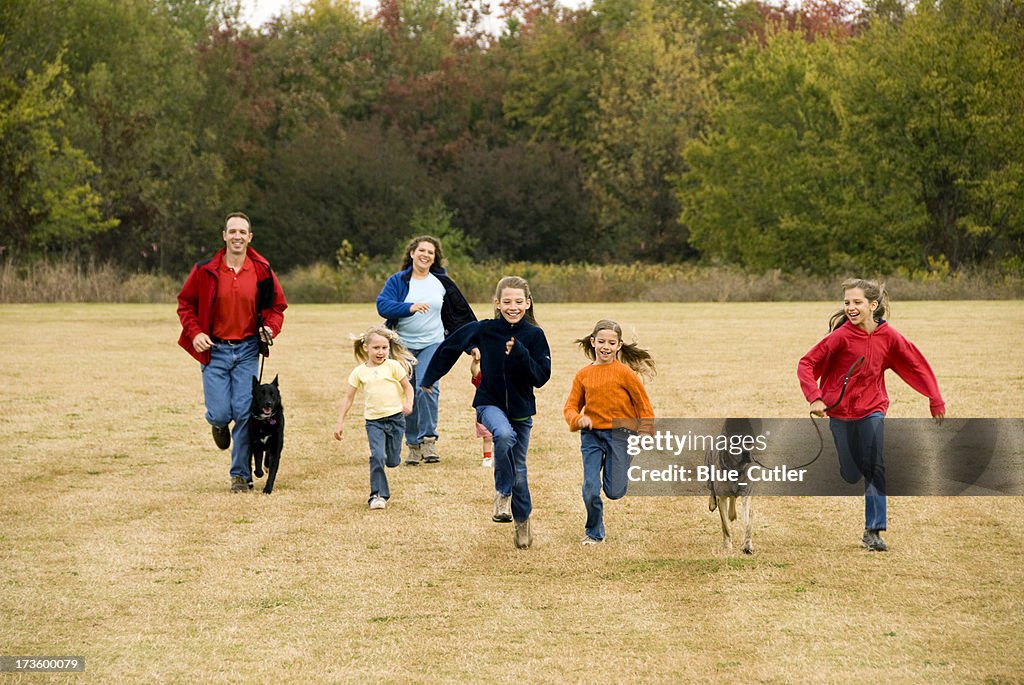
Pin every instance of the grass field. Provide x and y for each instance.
(120, 542)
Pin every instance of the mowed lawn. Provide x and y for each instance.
(120, 542)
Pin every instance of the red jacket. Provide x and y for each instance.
(884, 348)
(195, 301)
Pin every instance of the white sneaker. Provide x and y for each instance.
(488, 462)
(378, 502)
(587, 540)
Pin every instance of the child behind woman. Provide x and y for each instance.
(855, 355)
(481, 429)
(514, 359)
(384, 374)
(607, 398)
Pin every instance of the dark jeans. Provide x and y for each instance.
(859, 445)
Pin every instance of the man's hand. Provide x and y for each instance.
(202, 342)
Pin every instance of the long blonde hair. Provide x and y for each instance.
(630, 354)
(397, 352)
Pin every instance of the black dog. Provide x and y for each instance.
(266, 430)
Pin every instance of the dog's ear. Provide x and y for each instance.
(274, 382)
(255, 383)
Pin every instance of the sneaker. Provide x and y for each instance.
(873, 541)
(487, 463)
(502, 508)
(238, 484)
(378, 502)
(414, 456)
(430, 455)
(523, 538)
(222, 436)
(587, 540)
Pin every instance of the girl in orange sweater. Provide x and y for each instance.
(606, 403)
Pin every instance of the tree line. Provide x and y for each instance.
(835, 136)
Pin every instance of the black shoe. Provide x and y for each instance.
(222, 437)
(873, 541)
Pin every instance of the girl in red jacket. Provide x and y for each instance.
(860, 347)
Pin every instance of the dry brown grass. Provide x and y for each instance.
(119, 540)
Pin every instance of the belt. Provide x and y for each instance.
(221, 341)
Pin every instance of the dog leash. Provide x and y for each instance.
(264, 348)
(821, 440)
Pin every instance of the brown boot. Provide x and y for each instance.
(523, 537)
(429, 453)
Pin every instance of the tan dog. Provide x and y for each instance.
(724, 494)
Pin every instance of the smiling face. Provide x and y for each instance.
(237, 236)
(606, 344)
(377, 348)
(512, 304)
(423, 256)
(859, 310)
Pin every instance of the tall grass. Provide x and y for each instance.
(69, 281)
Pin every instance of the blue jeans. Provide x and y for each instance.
(859, 445)
(385, 438)
(605, 466)
(511, 440)
(227, 389)
(422, 422)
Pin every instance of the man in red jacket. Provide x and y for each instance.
(227, 304)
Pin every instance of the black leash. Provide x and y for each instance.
(264, 347)
(821, 440)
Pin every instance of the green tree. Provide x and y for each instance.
(47, 202)
(763, 183)
(651, 100)
(359, 184)
(931, 112)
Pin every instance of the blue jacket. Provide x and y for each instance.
(391, 304)
(507, 380)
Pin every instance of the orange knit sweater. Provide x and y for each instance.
(605, 392)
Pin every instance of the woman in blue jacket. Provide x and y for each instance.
(423, 305)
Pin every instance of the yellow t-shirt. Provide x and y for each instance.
(383, 387)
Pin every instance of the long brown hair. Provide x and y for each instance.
(630, 354)
(439, 260)
(517, 283)
(873, 291)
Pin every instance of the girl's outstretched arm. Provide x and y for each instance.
(910, 365)
(447, 354)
